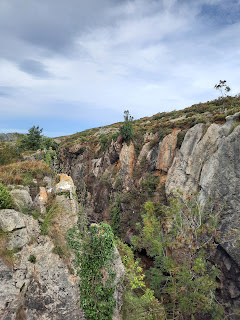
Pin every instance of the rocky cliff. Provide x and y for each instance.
(38, 278)
(106, 179)
(202, 159)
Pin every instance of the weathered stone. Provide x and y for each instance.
(41, 201)
(22, 199)
(45, 290)
(65, 184)
(67, 215)
(127, 158)
(197, 148)
(11, 220)
(120, 272)
(17, 239)
(167, 151)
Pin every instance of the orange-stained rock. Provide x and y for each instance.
(65, 184)
(167, 151)
(43, 197)
(127, 158)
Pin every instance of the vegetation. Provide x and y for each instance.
(94, 255)
(5, 198)
(24, 172)
(9, 154)
(52, 210)
(139, 301)
(31, 141)
(32, 258)
(127, 128)
(35, 140)
(180, 238)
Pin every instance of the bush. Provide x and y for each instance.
(180, 239)
(127, 131)
(32, 258)
(24, 172)
(8, 154)
(104, 141)
(33, 140)
(5, 198)
(94, 261)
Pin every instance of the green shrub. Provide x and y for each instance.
(115, 136)
(127, 131)
(180, 239)
(8, 154)
(5, 198)
(32, 258)
(94, 258)
(149, 184)
(103, 141)
(115, 215)
(33, 140)
(180, 138)
(48, 220)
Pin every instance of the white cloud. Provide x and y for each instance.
(148, 56)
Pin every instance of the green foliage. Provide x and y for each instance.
(8, 154)
(115, 136)
(31, 141)
(5, 198)
(48, 220)
(32, 258)
(126, 129)
(180, 138)
(94, 255)
(34, 140)
(180, 238)
(115, 215)
(104, 141)
(149, 184)
(139, 301)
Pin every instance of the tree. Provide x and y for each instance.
(127, 127)
(181, 238)
(223, 88)
(33, 140)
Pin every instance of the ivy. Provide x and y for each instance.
(94, 262)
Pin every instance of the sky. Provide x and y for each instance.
(71, 65)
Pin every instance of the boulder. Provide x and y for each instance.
(22, 199)
(11, 220)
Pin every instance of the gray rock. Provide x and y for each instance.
(17, 239)
(22, 199)
(120, 272)
(11, 220)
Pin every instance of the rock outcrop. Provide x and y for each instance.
(37, 278)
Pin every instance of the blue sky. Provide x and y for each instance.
(71, 65)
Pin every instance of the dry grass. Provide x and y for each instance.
(24, 172)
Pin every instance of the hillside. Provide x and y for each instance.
(170, 195)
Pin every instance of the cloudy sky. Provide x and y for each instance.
(69, 65)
